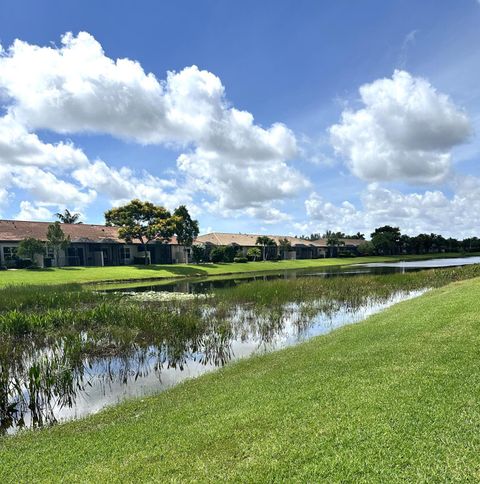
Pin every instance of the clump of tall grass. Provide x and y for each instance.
(25, 297)
(347, 289)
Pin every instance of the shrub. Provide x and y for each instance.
(217, 254)
(240, 259)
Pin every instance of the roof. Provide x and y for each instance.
(16, 230)
(249, 240)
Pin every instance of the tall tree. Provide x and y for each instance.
(186, 228)
(30, 247)
(67, 217)
(386, 239)
(142, 221)
(285, 246)
(57, 240)
(264, 241)
(334, 240)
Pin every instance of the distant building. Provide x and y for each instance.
(301, 248)
(91, 245)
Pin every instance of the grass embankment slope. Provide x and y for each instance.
(394, 398)
(168, 271)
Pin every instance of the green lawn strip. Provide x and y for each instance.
(395, 398)
(173, 271)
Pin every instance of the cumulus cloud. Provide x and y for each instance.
(429, 211)
(29, 211)
(121, 185)
(405, 131)
(76, 88)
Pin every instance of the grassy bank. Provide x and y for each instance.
(392, 399)
(168, 271)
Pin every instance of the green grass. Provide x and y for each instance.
(392, 399)
(168, 271)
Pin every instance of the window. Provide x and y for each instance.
(125, 253)
(9, 254)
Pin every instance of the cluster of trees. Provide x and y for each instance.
(388, 240)
(267, 249)
(146, 222)
(328, 233)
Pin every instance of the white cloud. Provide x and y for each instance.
(18, 147)
(430, 211)
(121, 185)
(269, 215)
(77, 88)
(405, 131)
(29, 211)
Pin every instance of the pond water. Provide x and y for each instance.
(199, 285)
(51, 380)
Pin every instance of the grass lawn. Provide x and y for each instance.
(132, 273)
(394, 398)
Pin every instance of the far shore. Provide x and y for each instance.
(165, 272)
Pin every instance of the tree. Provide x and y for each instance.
(386, 239)
(29, 248)
(285, 246)
(185, 228)
(334, 240)
(199, 254)
(68, 217)
(217, 254)
(142, 221)
(254, 253)
(264, 241)
(57, 240)
(366, 248)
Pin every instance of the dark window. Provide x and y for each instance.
(10, 253)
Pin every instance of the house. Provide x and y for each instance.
(300, 248)
(91, 245)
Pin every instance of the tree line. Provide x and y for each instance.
(388, 240)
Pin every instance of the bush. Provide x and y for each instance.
(366, 248)
(240, 260)
(3, 268)
(217, 254)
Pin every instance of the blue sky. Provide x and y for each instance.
(318, 154)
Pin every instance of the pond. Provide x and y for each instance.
(202, 285)
(55, 379)
(67, 353)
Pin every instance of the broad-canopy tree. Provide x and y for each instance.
(57, 240)
(146, 222)
(142, 221)
(264, 241)
(386, 239)
(186, 228)
(67, 217)
(30, 247)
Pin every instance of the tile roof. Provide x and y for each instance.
(15, 230)
(248, 240)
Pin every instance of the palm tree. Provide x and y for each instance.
(333, 240)
(68, 217)
(285, 246)
(265, 242)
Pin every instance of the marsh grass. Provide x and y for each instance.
(30, 297)
(345, 289)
